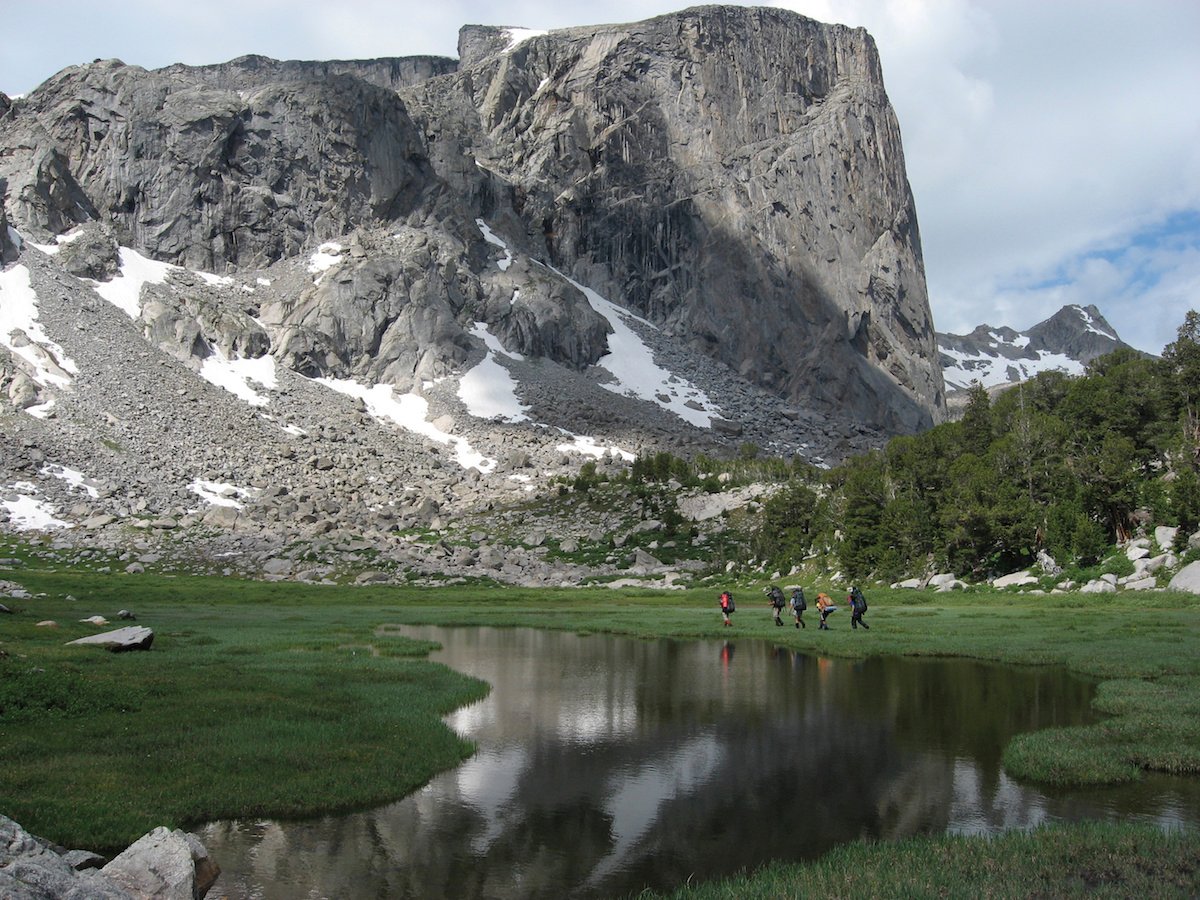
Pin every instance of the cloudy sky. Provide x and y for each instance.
(1053, 145)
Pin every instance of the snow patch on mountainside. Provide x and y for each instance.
(631, 364)
(410, 412)
(124, 291)
(992, 369)
(629, 360)
(27, 512)
(19, 316)
(488, 390)
(238, 376)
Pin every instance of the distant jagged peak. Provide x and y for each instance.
(995, 356)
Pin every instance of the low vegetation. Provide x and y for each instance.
(1093, 860)
(256, 700)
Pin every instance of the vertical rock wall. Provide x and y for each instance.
(736, 175)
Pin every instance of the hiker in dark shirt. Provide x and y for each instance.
(858, 606)
(775, 596)
(799, 605)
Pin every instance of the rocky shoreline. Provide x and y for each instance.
(164, 864)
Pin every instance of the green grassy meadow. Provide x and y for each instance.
(287, 700)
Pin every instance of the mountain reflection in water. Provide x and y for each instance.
(606, 765)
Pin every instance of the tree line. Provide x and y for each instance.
(1061, 464)
(1066, 465)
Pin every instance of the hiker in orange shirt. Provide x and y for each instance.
(825, 606)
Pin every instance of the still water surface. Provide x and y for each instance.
(606, 765)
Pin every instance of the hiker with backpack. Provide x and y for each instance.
(799, 605)
(858, 606)
(775, 596)
(825, 606)
(727, 607)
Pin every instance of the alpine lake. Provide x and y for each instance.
(607, 765)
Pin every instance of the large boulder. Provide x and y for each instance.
(1164, 536)
(165, 865)
(132, 637)
(1016, 579)
(92, 253)
(1187, 579)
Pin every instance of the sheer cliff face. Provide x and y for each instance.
(734, 175)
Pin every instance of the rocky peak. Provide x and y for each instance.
(1080, 332)
(264, 302)
(389, 73)
(723, 187)
(734, 175)
(996, 356)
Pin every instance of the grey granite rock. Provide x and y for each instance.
(132, 637)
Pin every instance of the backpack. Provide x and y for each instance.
(798, 601)
(857, 598)
(777, 598)
(727, 602)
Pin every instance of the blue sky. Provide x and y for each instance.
(1053, 146)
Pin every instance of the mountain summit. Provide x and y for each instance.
(1067, 341)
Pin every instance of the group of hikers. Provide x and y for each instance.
(825, 606)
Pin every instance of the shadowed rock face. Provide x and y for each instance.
(733, 175)
(8, 252)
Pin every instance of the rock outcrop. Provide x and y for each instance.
(209, 177)
(8, 247)
(167, 864)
